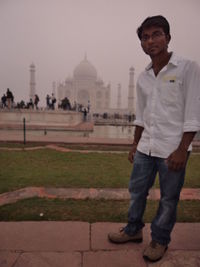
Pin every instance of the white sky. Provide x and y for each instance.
(55, 34)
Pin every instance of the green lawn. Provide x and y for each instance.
(51, 168)
(88, 210)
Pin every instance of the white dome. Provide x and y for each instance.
(85, 70)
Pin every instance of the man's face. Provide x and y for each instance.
(154, 41)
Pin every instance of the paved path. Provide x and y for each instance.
(80, 244)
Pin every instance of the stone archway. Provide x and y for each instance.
(67, 93)
(83, 97)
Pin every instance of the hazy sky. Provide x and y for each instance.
(55, 35)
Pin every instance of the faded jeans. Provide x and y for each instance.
(142, 179)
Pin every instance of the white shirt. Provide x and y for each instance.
(167, 106)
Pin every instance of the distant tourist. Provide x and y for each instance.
(30, 104)
(9, 98)
(85, 114)
(3, 100)
(88, 107)
(53, 101)
(48, 101)
(65, 104)
(21, 104)
(36, 101)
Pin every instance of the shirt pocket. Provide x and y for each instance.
(169, 93)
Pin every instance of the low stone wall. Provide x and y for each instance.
(37, 118)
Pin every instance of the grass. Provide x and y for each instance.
(51, 168)
(20, 144)
(88, 210)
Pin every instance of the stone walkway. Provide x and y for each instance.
(80, 244)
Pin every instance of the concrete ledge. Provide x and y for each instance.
(39, 117)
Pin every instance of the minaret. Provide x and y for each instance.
(131, 107)
(32, 81)
(119, 97)
(54, 88)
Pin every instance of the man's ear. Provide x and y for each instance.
(168, 37)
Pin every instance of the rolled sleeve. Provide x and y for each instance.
(138, 123)
(192, 98)
(192, 126)
(139, 107)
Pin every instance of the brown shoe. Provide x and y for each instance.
(122, 237)
(155, 251)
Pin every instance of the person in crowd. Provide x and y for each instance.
(36, 101)
(85, 114)
(65, 104)
(3, 100)
(48, 101)
(30, 104)
(88, 107)
(9, 98)
(167, 119)
(53, 101)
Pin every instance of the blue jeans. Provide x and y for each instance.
(142, 179)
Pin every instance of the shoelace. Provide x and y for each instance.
(121, 229)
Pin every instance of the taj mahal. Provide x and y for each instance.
(85, 87)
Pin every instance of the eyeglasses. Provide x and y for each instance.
(155, 36)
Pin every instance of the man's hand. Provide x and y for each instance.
(132, 152)
(137, 136)
(177, 159)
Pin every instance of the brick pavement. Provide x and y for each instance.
(80, 244)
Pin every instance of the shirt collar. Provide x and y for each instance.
(173, 60)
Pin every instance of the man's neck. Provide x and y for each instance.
(158, 62)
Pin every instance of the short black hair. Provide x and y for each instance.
(158, 21)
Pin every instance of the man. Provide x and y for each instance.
(53, 101)
(10, 98)
(167, 118)
(3, 100)
(36, 101)
(48, 101)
